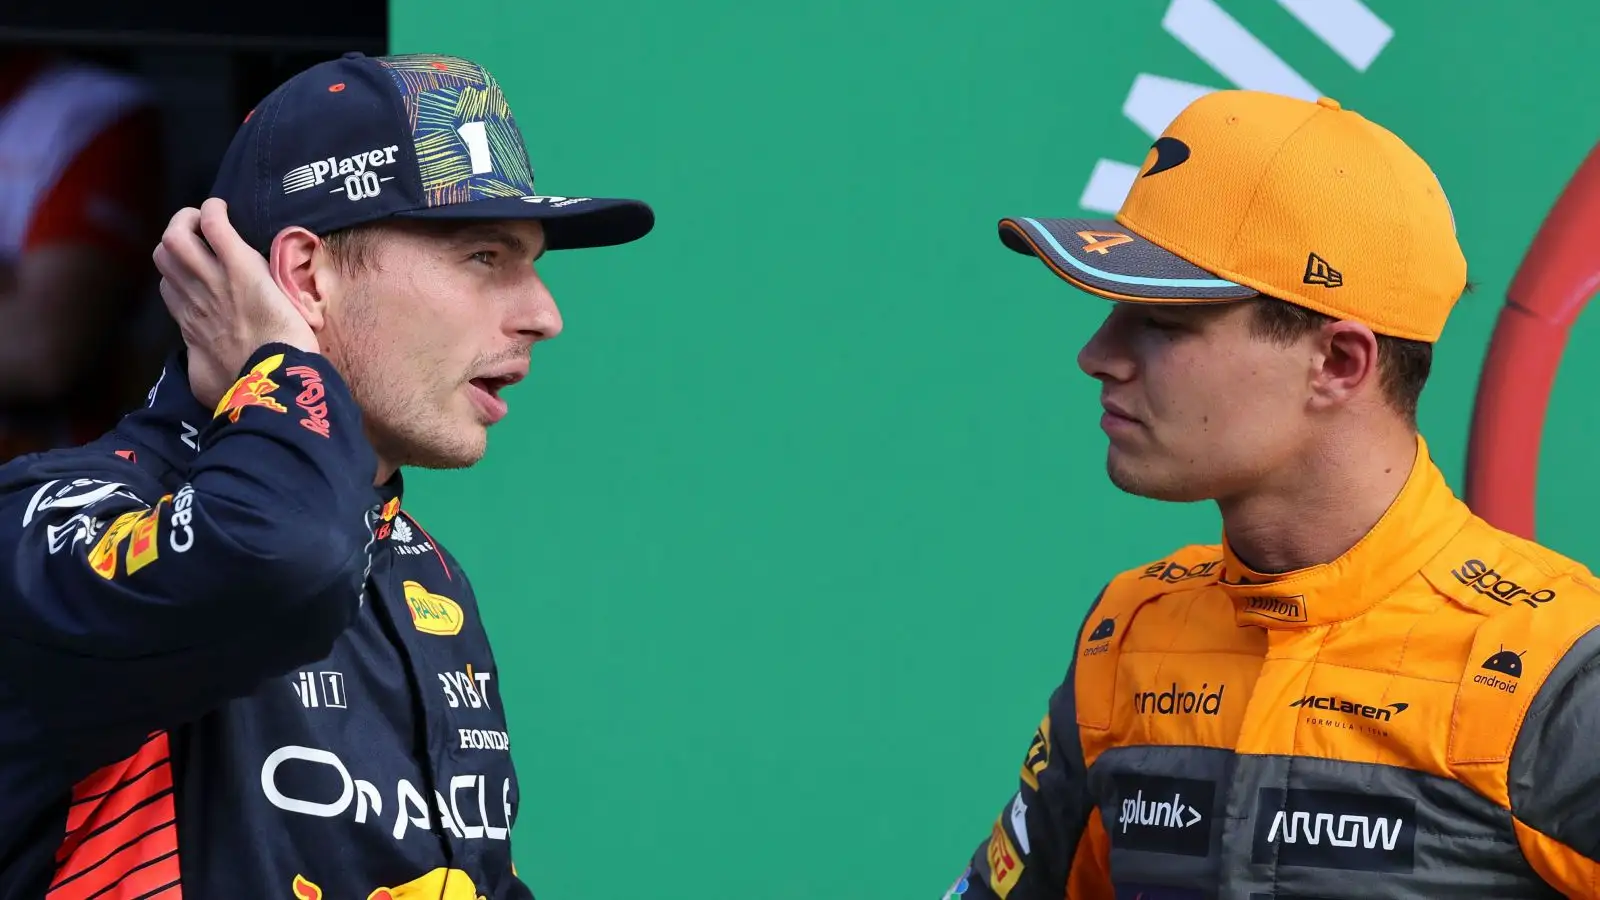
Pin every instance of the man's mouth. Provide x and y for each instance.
(492, 385)
(1116, 410)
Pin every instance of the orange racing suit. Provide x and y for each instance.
(1418, 718)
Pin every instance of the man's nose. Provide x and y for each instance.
(536, 316)
(1104, 356)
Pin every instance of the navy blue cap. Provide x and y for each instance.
(418, 136)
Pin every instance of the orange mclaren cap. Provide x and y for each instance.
(1251, 193)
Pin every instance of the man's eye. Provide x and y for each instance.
(484, 256)
(1159, 324)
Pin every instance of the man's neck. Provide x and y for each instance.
(386, 466)
(1323, 509)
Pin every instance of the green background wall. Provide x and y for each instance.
(786, 536)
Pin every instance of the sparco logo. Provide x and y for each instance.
(1330, 703)
(1172, 573)
(353, 175)
(1167, 815)
(1175, 701)
(1284, 609)
(1476, 574)
(1335, 830)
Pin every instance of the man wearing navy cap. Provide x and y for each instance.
(230, 663)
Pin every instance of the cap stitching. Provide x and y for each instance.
(264, 189)
(390, 86)
(1256, 194)
(394, 98)
(1394, 177)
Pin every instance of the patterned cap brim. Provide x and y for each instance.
(570, 223)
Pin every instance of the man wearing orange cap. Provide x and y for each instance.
(1363, 690)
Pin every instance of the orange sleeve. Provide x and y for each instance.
(1562, 867)
(1090, 877)
(110, 195)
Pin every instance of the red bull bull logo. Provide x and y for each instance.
(440, 884)
(254, 389)
(390, 510)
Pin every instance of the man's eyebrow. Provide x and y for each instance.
(475, 234)
(1198, 312)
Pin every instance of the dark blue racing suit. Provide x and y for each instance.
(230, 667)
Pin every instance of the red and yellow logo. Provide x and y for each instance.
(390, 510)
(440, 884)
(103, 556)
(433, 613)
(254, 389)
(142, 543)
(1004, 866)
(138, 529)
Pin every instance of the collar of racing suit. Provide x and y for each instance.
(173, 423)
(1416, 527)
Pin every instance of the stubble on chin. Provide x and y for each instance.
(426, 433)
(1138, 481)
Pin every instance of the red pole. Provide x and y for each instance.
(1556, 278)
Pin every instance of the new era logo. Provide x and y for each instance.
(1319, 272)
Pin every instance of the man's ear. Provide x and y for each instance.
(299, 266)
(1347, 364)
